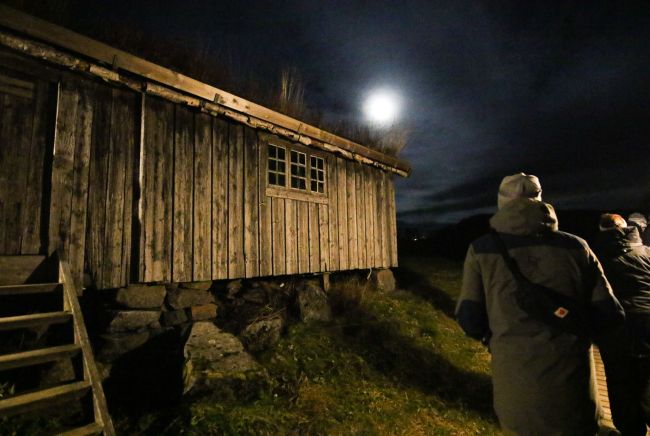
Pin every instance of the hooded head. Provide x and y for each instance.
(519, 186)
(638, 220)
(611, 221)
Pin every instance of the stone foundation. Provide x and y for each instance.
(202, 333)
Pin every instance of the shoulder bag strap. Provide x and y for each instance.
(510, 262)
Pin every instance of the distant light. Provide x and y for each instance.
(382, 107)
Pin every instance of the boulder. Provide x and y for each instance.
(199, 286)
(182, 298)
(255, 295)
(217, 365)
(233, 288)
(383, 280)
(133, 320)
(312, 302)
(203, 312)
(112, 346)
(141, 296)
(173, 317)
(262, 334)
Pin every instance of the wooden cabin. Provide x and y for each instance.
(134, 173)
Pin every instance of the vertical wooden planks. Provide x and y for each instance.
(351, 201)
(332, 190)
(370, 240)
(392, 222)
(182, 239)
(236, 261)
(314, 238)
(279, 231)
(157, 190)
(265, 216)
(375, 220)
(361, 218)
(79, 206)
(324, 237)
(16, 115)
(302, 226)
(118, 186)
(220, 153)
(291, 249)
(251, 203)
(99, 162)
(31, 236)
(343, 214)
(202, 198)
(62, 168)
(382, 210)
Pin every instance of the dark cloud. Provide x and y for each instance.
(555, 88)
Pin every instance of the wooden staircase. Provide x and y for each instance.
(30, 278)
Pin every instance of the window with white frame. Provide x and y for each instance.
(277, 166)
(298, 170)
(317, 174)
(295, 169)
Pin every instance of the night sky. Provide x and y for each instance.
(556, 89)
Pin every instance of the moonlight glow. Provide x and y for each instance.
(382, 107)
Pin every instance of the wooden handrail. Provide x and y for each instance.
(91, 375)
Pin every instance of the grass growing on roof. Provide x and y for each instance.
(388, 364)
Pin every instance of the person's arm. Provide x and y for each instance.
(606, 312)
(471, 312)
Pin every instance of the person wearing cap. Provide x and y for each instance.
(626, 262)
(542, 376)
(640, 222)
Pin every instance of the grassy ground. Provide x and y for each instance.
(390, 364)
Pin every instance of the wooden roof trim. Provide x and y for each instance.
(118, 59)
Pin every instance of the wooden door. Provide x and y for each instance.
(26, 126)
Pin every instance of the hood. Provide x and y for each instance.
(525, 216)
(618, 240)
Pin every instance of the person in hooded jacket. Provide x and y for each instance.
(542, 377)
(626, 262)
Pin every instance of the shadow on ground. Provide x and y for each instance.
(419, 285)
(402, 359)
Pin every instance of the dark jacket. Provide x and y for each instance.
(541, 377)
(626, 262)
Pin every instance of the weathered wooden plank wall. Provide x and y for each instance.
(147, 190)
(26, 119)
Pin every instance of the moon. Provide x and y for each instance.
(382, 107)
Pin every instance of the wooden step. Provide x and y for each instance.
(35, 357)
(26, 269)
(86, 430)
(36, 319)
(43, 398)
(39, 288)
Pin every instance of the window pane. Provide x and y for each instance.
(272, 165)
(303, 159)
(321, 163)
(294, 182)
(294, 170)
(312, 174)
(281, 180)
(314, 186)
(272, 151)
(281, 153)
(271, 179)
(281, 167)
(301, 171)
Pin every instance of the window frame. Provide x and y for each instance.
(287, 191)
